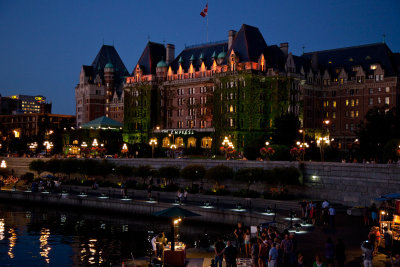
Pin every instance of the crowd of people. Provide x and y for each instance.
(269, 247)
(318, 213)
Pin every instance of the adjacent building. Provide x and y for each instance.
(99, 91)
(342, 85)
(24, 104)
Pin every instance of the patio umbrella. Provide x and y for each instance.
(174, 212)
(381, 199)
(49, 176)
(392, 195)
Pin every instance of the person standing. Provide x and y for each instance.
(262, 253)
(247, 242)
(329, 252)
(239, 235)
(154, 245)
(149, 191)
(368, 252)
(340, 253)
(332, 214)
(318, 262)
(273, 256)
(388, 236)
(396, 261)
(219, 247)
(287, 246)
(230, 254)
(254, 249)
(185, 195)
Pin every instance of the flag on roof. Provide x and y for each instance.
(204, 12)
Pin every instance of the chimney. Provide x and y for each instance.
(170, 53)
(231, 36)
(314, 61)
(284, 48)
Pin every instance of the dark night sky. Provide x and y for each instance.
(44, 43)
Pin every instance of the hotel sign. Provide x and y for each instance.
(183, 132)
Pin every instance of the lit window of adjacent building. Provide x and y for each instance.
(387, 89)
(334, 104)
(347, 102)
(371, 90)
(356, 113)
(333, 115)
(352, 114)
(387, 100)
(352, 102)
(347, 126)
(357, 102)
(379, 100)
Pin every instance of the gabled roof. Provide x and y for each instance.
(206, 49)
(102, 123)
(248, 44)
(152, 54)
(363, 55)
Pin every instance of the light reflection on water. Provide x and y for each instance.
(43, 236)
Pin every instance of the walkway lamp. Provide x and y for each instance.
(153, 143)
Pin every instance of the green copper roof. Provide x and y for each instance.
(180, 60)
(109, 65)
(192, 58)
(222, 54)
(201, 56)
(162, 64)
(102, 123)
(214, 55)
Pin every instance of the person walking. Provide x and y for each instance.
(219, 247)
(254, 249)
(340, 253)
(388, 236)
(262, 253)
(239, 234)
(332, 214)
(230, 254)
(287, 246)
(246, 238)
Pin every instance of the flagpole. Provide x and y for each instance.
(207, 22)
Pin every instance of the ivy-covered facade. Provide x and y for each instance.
(233, 88)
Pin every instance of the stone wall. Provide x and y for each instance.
(346, 183)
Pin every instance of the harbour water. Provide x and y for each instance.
(39, 236)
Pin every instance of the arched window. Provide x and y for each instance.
(191, 142)
(165, 142)
(179, 142)
(206, 142)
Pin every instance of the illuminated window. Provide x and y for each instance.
(371, 101)
(387, 89)
(356, 113)
(352, 102)
(357, 102)
(347, 102)
(333, 115)
(387, 100)
(206, 142)
(379, 100)
(191, 142)
(165, 142)
(352, 114)
(334, 104)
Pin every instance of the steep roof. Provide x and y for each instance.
(206, 49)
(248, 44)
(152, 54)
(107, 54)
(363, 55)
(274, 57)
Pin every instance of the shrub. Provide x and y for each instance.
(37, 166)
(286, 176)
(69, 166)
(219, 173)
(218, 192)
(249, 175)
(53, 166)
(168, 172)
(193, 172)
(28, 177)
(124, 170)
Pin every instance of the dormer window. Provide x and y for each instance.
(373, 67)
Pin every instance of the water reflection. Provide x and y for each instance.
(44, 247)
(13, 241)
(1, 229)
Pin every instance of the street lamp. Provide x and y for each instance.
(95, 143)
(153, 143)
(173, 147)
(48, 145)
(226, 143)
(3, 164)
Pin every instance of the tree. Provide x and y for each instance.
(286, 129)
(193, 172)
(143, 171)
(219, 173)
(88, 167)
(249, 175)
(168, 173)
(69, 166)
(37, 166)
(53, 166)
(104, 168)
(124, 170)
(380, 126)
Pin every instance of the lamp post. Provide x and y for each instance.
(302, 148)
(83, 148)
(48, 145)
(173, 147)
(3, 164)
(153, 143)
(227, 144)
